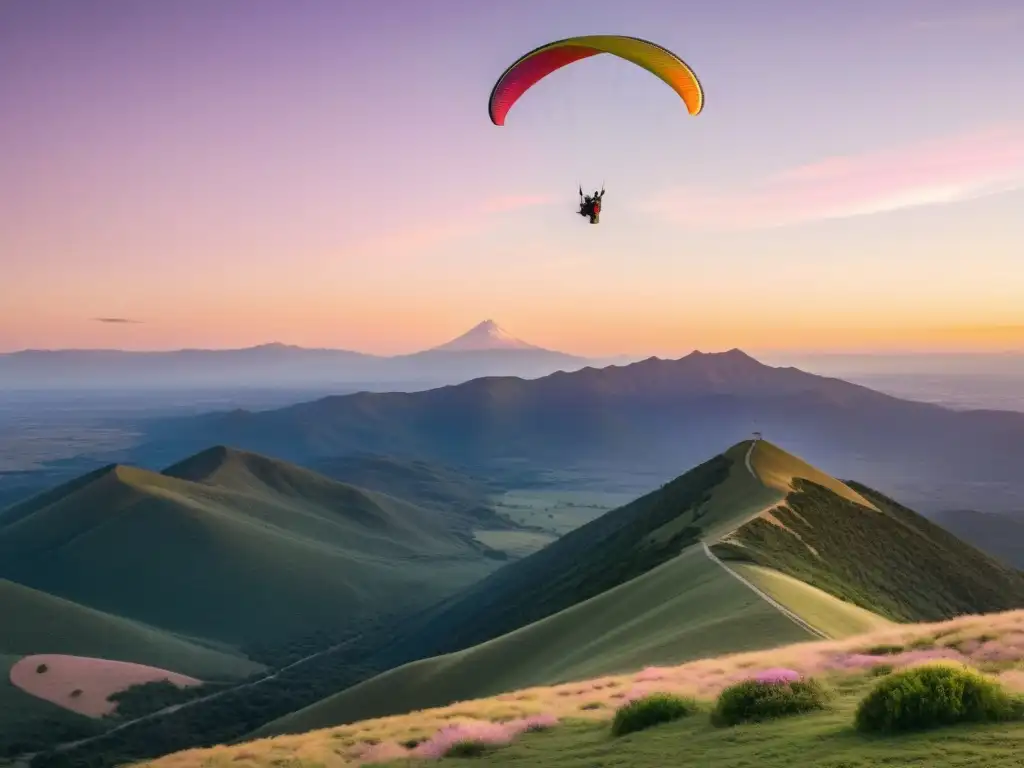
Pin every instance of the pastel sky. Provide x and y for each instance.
(323, 173)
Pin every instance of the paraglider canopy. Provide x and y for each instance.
(541, 62)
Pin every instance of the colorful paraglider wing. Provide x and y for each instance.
(541, 62)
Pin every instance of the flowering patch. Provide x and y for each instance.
(777, 676)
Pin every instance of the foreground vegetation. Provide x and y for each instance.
(816, 725)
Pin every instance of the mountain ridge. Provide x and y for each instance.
(485, 349)
(652, 415)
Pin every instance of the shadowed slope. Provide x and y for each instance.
(40, 623)
(236, 547)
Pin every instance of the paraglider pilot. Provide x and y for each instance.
(590, 205)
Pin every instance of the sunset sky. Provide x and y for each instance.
(324, 173)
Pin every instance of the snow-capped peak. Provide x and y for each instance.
(487, 335)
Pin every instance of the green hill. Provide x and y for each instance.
(43, 623)
(236, 548)
(637, 587)
(885, 558)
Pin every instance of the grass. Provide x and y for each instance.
(583, 739)
(621, 545)
(649, 620)
(836, 618)
(262, 549)
(48, 624)
(894, 562)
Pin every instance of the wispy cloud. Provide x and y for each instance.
(936, 172)
(117, 320)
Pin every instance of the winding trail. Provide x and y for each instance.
(756, 590)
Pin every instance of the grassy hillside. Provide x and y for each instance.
(620, 545)
(684, 609)
(27, 721)
(633, 588)
(884, 558)
(581, 739)
(723, 500)
(234, 547)
(46, 624)
(826, 613)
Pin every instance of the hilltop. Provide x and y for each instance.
(236, 548)
(650, 416)
(644, 585)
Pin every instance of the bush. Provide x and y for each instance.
(468, 748)
(932, 696)
(651, 710)
(753, 701)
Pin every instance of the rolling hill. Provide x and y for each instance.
(37, 623)
(48, 624)
(654, 415)
(235, 548)
(644, 584)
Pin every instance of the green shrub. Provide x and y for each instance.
(651, 710)
(753, 701)
(468, 748)
(932, 696)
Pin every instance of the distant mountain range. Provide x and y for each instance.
(653, 416)
(484, 350)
